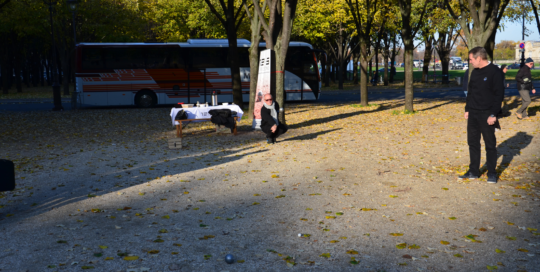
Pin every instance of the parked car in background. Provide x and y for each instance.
(513, 66)
(457, 65)
(465, 66)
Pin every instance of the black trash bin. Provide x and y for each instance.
(7, 176)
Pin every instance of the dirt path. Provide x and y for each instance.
(368, 189)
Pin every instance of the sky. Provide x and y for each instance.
(512, 32)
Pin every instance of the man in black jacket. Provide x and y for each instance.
(269, 119)
(486, 92)
(524, 85)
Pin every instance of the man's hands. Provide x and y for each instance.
(273, 128)
(466, 115)
(534, 91)
(491, 120)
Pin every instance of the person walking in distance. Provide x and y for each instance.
(269, 119)
(486, 92)
(524, 86)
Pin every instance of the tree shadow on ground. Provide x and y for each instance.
(382, 107)
(114, 180)
(437, 106)
(310, 136)
(509, 149)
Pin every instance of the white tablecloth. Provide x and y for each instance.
(202, 112)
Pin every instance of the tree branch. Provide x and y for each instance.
(247, 10)
(261, 16)
(240, 21)
(420, 23)
(211, 6)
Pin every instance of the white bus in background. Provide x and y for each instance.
(148, 74)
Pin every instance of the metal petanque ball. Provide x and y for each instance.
(229, 259)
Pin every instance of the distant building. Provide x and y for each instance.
(532, 50)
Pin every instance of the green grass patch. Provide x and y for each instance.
(398, 112)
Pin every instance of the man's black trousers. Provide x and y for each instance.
(477, 126)
(281, 129)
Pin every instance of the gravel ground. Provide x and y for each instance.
(366, 188)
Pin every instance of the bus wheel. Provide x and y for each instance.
(145, 99)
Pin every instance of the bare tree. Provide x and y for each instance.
(277, 35)
(231, 22)
(363, 12)
(253, 55)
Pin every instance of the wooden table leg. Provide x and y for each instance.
(234, 129)
(178, 130)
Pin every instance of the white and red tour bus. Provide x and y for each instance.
(148, 74)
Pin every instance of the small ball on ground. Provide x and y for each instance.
(229, 258)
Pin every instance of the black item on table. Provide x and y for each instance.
(222, 117)
(181, 115)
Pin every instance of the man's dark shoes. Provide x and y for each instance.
(270, 140)
(274, 140)
(492, 178)
(468, 175)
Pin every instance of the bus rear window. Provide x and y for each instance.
(300, 61)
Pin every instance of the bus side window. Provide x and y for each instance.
(124, 58)
(158, 58)
(243, 57)
(209, 58)
(92, 58)
(177, 58)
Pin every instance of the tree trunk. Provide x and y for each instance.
(385, 58)
(377, 65)
(324, 73)
(253, 63)
(66, 71)
(409, 87)
(328, 73)
(363, 72)
(355, 68)
(535, 11)
(490, 46)
(427, 59)
(235, 68)
(393, 58)
(444, 56)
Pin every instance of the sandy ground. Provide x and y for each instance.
(367, 189)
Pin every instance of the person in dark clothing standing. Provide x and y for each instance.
(486, 92)
(524, 86)
(269, 120)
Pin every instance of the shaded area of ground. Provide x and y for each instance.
(367, 183)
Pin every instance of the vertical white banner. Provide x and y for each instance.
(263, 86)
